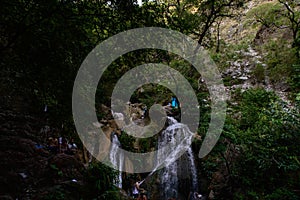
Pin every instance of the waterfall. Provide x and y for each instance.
(116, 158)
(170, 175)
(193, 170)
(180, 137)
(169, 178)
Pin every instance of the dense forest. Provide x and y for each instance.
(255, 45)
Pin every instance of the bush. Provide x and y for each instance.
(265, 133)
(259, 73)
(282, 193)
(100, 180)
(268, 138)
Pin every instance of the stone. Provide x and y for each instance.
(243, 78)
(211, 195)
(6, 197)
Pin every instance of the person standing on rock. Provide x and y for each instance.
(135, 190)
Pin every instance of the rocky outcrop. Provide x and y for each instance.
(28, 169)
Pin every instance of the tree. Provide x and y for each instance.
(42, 47)
(268, 136)
(196, 17)
(292, 13)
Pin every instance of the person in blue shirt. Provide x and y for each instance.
(174, 102)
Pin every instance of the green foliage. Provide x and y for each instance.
(152, 94)
(127, 141)
(259, 73)
(280, 59)
(230, 52)
(57, 194)
(268, 138)
(252, 103)
(282, 54)
(100, 179)
(264, 159)
(44, 42)
(268, 13)
(292, 14)
(147, 144)
(55, 168)
(46, 53)
(108, 195)
(282, 193)
(295, 77)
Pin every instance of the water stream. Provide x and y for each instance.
(116, 158)
(173, 172)
(176, 169)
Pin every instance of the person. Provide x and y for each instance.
(139, 197)
(59, 144)
(135, 190)
(46, 108)
(63, 144)
(174, 102)
(52, 145)
(145, 111)
(72, 147)
(72, 144)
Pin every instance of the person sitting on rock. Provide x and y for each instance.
(72, 147)
(63, 145)
(52, 145)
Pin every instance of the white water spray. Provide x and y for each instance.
(116, 158)
(174, 133)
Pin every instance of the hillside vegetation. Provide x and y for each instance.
(255, 45)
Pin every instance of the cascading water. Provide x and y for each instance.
(180, 137)
(116, 158)
(193, 170)
(170, 174)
